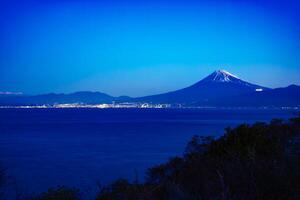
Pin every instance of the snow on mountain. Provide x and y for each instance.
(225, 77)
(222, 76)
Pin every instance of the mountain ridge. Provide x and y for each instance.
(220, 88)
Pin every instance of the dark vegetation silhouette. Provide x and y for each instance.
(250, 162)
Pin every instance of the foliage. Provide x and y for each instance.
(250, 162)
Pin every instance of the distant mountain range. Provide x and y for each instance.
(84, 97)
(220, 88)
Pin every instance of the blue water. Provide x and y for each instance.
(42, 148)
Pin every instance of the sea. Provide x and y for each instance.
(89, 148)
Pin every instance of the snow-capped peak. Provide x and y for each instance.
(222, 76)
(226, 73)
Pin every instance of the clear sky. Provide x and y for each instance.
(145, 47)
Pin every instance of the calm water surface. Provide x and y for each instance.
(78, 147)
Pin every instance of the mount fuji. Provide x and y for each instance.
(220, 84)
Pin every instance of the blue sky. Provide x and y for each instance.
(145, 47)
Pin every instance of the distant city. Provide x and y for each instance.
(100, 106)
(128, 105)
